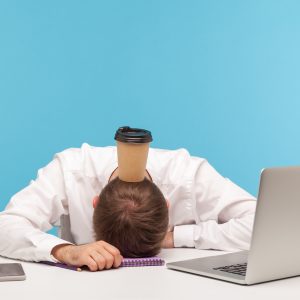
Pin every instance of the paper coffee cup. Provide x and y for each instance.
(132, 148)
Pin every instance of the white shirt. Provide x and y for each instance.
(207, 211)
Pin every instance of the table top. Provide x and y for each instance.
(47, 282)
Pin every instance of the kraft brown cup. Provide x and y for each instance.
(132, 149)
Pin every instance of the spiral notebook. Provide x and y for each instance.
(142, 262)
(127, 262)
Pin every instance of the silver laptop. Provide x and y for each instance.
(275, 246)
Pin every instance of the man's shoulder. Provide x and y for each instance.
(95, 160)
(180, 154)
(86, 156)
(174, 166)
(87, 150)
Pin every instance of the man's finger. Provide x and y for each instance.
(109, 258)
(99, 259)
(91, 263)
(110, 248)
(115, 252)
(118, 260)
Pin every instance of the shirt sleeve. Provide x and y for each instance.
(224, 214)
(32, 212)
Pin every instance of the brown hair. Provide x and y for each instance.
(132, 216)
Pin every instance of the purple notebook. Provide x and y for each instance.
(142, 262)
(127, 262)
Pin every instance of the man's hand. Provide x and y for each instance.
(168, 241)
(97, 256)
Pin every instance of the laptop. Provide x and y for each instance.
(275, 245)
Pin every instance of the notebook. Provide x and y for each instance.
(142, 262)
(127, 262)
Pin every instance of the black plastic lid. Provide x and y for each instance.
(126, 134)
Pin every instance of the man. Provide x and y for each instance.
(205, 210)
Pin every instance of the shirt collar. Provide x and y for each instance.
(111, 167)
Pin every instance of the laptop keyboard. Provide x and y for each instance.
(239, 269)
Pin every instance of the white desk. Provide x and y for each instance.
(46, 282)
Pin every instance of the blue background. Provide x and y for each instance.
(220, 78)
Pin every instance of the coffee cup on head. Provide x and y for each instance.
(132, 148)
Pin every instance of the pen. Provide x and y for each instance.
(60, 265)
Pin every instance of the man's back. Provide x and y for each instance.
(203, 204)
(87, 170)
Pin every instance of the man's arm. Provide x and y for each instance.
(32, 212)
(97, 256)
(224, 212)
(35, 210)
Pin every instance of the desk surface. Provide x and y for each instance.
(46, 282)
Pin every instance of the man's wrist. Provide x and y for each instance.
(168, 241)
(59, 250)
(171, 239)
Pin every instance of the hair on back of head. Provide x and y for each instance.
(132, 216)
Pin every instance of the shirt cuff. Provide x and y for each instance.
(184, 236)
(44, 245)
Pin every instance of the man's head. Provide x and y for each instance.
(132, 216)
